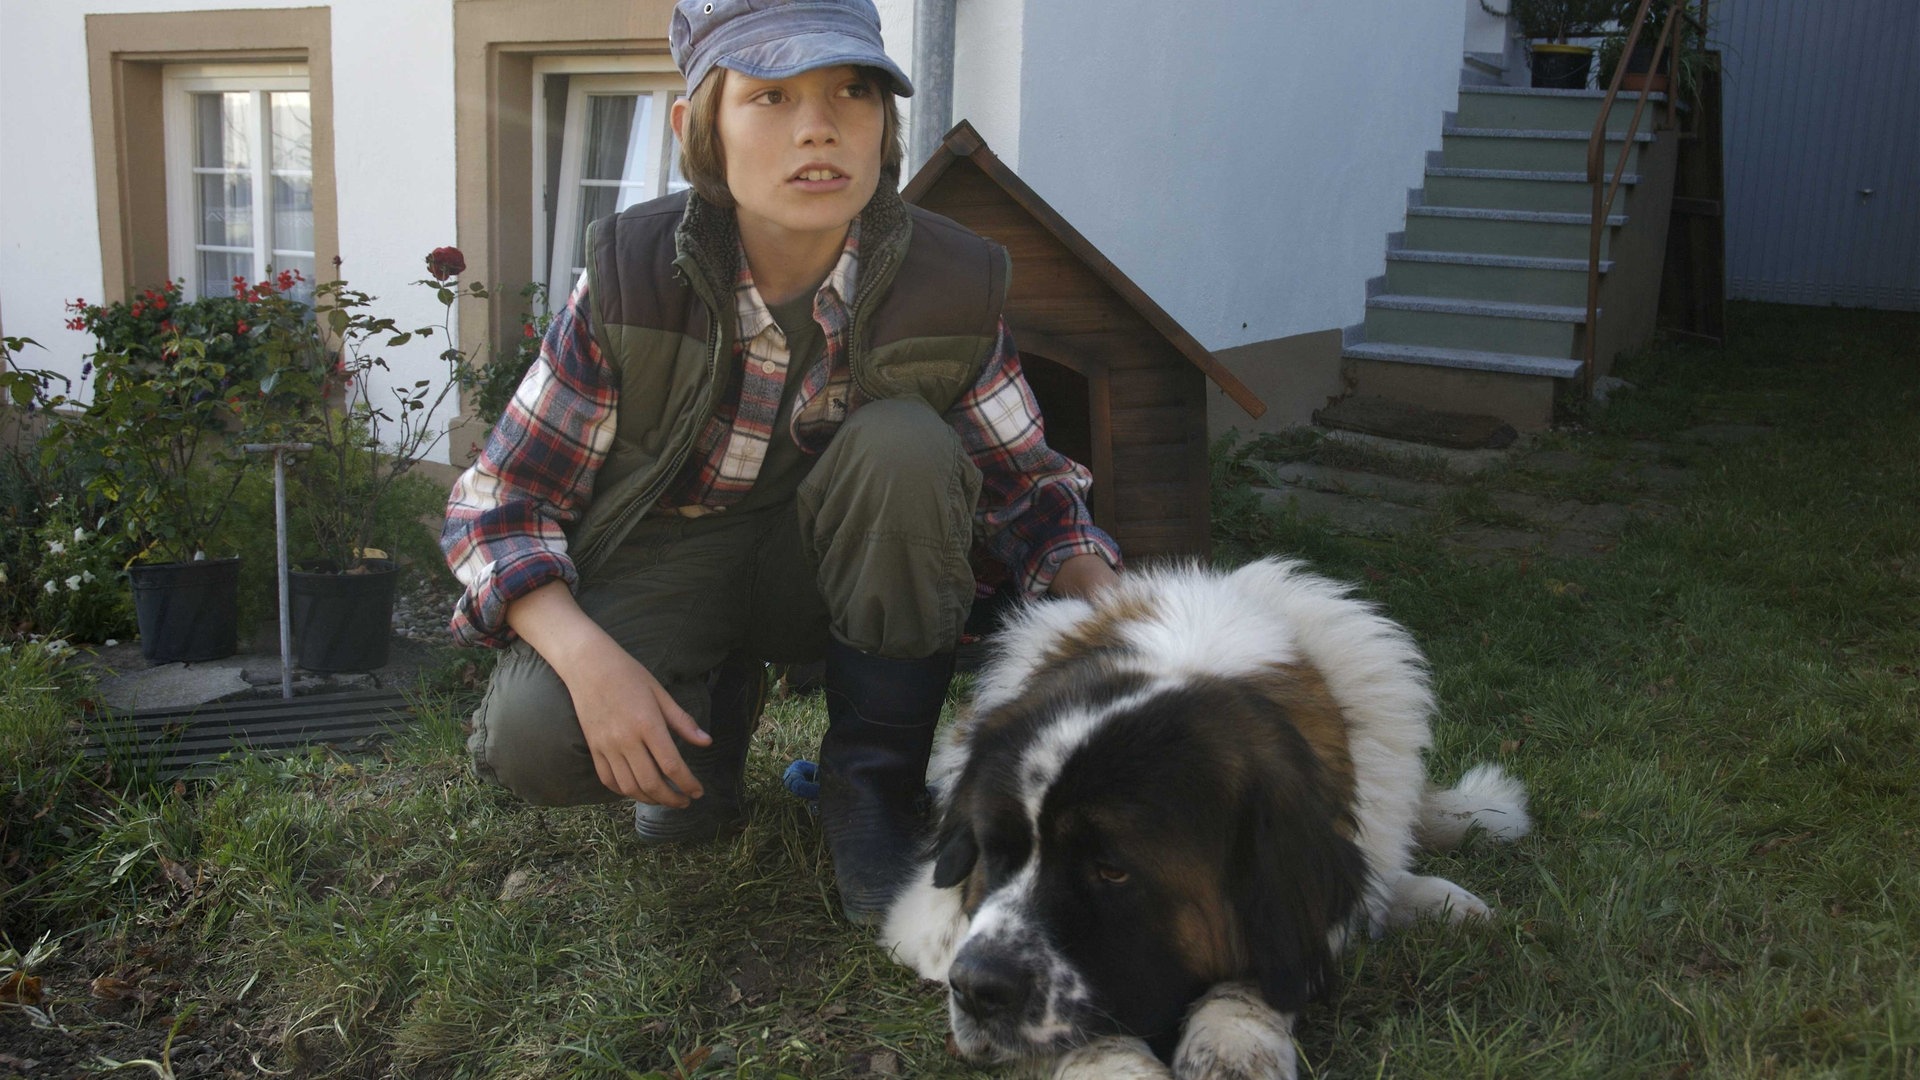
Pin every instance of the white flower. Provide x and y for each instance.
(56, 547)
(86, 576)
(111, 642)
(73, 583)
(51, 587)
(3, 575)
(79, 534)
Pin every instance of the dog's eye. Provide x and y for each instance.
(1112, 875)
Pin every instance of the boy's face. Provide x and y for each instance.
(803, 152)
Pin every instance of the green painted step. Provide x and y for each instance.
(1493, 326)
(1525, 107)
(1473, 276)
(1503, 232)
(1515, 189)
(1533, 150)
(1551, 367)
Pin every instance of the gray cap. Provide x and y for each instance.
(772, 39)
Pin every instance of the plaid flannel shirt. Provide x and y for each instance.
(504, 533)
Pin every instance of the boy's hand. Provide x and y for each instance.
(629, 721)
(626, 716)
(1083, 576)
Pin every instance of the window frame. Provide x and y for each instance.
(180, 83)
(587, 75)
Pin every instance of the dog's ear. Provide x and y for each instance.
(1294, 878)
(955, 852)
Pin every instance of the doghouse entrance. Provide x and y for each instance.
(1071, 390)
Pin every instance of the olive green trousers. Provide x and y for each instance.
(871, 547)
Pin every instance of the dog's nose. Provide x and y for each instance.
(990, 984)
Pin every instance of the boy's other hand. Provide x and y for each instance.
(626, 716)
(629, 721)
(1083, 576)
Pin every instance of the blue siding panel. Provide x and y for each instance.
(1822, 150)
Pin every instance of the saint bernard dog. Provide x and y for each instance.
(1165, 812)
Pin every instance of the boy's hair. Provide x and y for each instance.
(704, 164)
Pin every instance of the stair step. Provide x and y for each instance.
(1559, 134)
(1410, 423)
(1470, 275)
(1481, 213)
(1492, 308)
(1539, 92)
(1512, 262)
(1521, 174)
(1536, 149)
(1555, 367)
(1483, 106)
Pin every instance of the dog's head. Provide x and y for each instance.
(1126, 842)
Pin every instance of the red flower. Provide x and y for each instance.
(240, 327)
(166, 326)
(139, 309)
(528, 328)
(285, 281)
(76, 323)
(160, 305)
(445, 262)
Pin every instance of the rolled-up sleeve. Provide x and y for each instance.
(1033, 499)
(504, 533)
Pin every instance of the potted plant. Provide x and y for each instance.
(1549, 26)
(166, 375)
(1679, 64)
(367, 435)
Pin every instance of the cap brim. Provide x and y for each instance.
(804, 52)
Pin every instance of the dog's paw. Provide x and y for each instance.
(924, 926)
(1233, 1034)
(1419, 897)
(1112, 1058)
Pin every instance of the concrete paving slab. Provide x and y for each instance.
(1459, 462)
(1351, 514)
(1351, 482)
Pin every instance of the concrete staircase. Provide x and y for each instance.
(1483, 306)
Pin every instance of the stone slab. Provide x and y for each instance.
(1350, 514)
(1398, 420)
(1351, 482)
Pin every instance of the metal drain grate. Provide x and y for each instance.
(190, 741)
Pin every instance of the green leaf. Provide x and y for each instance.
(398, 340)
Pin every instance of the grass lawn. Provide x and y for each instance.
(1718, 721)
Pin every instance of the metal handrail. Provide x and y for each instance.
(1604, 193)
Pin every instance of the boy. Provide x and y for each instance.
(767, 426)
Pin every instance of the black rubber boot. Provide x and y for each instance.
(738, 690)
(881, 716)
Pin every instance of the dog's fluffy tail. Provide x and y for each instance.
(1485, 797)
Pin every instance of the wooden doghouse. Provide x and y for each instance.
(1122, 387)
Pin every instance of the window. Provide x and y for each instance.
(602, 142)
(240, 181)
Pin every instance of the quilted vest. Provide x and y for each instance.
(660, 275)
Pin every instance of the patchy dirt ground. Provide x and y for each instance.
(83, 1017)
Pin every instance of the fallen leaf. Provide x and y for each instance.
(177, 874)
(112, 988)
(1508, 746)
(884, 1063)
(20, 988)
(691, 1063)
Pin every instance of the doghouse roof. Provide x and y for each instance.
(963, 142)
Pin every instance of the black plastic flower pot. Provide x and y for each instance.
(187, 611)
(1561, 67)
(342, 621)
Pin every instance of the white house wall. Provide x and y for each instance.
(393, 162)
(1242, 162)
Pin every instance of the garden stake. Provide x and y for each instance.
(280, 451)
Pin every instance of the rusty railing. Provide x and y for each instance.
(1604, 192)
